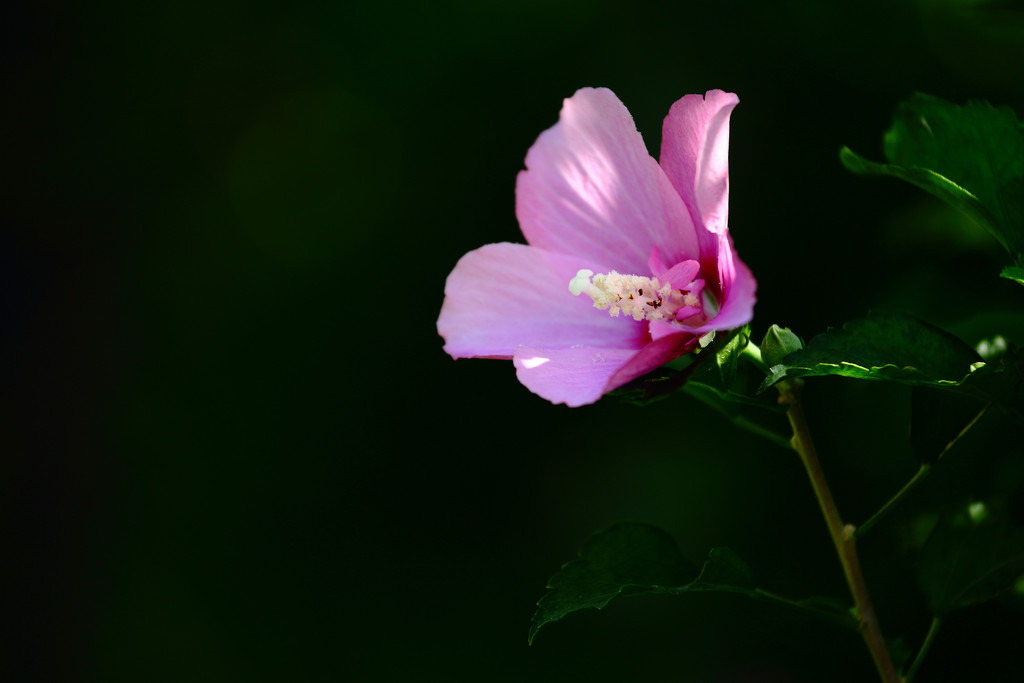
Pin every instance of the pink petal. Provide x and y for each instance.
(580, 375)
(739, 297)
(590, 188)
(663, 328)
(680, 275)
(695, 156)
(573, 376)
(686, 312)
(503, 295)
(655, 265)
(651, 357)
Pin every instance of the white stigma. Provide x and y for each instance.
(643, 298)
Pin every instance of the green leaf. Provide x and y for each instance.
(757, 416)
(727, 376)
(883, 346)
(724, 384)
(725, 351)
(728, 355)
(670, 378)
(729, 387)
(723, 570)
(634, 559)
(974, 553)
(625, 559)
(971, 157)
(1013, 273)
(929, 181)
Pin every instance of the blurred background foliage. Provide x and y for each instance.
(234, 447)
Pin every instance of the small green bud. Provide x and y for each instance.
(778, 343)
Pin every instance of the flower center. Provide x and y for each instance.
(644, 298)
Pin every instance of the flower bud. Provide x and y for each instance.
(778, 343)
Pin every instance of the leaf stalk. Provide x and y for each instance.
(933, 630)
(922, 472)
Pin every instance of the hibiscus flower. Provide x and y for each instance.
(629, 263)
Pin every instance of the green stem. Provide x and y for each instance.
(842, 534)
(922, 472)
(763, 432)
(933, 630)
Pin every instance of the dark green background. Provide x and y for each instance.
(235, 448)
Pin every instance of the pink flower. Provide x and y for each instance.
(593, 201)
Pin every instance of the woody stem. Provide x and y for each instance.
(842, 534)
